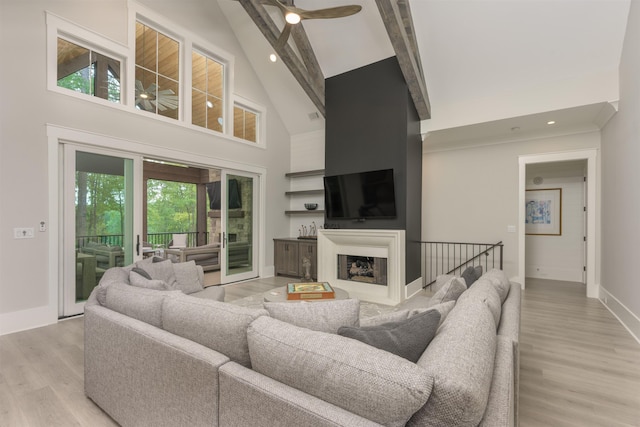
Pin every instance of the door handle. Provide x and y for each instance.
(138, 244)
(224, 239)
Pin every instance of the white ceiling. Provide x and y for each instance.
(467, 47)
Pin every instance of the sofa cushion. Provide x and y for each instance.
(406, 338)
(110, 276)
(372, 383)
(217, 325)
(324, 316)
(460, 358)
(450, 291)
(140, 281)
(139, 303)
(441, 280)
(187, 279)
(501, 282)
(486, 292)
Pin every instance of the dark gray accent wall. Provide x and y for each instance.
(371, 124)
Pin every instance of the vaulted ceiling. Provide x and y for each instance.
(467, 49)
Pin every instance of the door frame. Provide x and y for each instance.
(591, 156)
(224, 245)
(57, 136)
(70, 306)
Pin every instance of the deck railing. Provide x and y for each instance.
(454, 257)
(155, 239)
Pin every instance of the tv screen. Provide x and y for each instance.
(360, 195)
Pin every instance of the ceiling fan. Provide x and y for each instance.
(149, 98)
(294, 15)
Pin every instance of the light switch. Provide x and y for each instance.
(23, 233)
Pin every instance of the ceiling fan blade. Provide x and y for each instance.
(284, 36)
(282, 7)
(331, 12)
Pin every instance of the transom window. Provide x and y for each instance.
(245, 123)
(157, 72)
(82, 70)
(207, 92)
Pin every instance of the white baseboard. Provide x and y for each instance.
(413, 288)
(22, 320)
(628, 319)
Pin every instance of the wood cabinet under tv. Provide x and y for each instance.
(289, 254)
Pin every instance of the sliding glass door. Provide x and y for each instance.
(99, 212)
(239, 225)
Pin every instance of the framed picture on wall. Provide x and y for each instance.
(543, 212)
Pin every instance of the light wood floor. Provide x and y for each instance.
(579, 366)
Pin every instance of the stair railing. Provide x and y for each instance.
(454, 257)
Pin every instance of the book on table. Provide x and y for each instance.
(310, 291)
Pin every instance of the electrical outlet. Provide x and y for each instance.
(43, 226)
(23, 233)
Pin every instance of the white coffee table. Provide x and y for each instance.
(280, 295)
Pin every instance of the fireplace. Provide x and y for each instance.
(364, 269)
(368, 264)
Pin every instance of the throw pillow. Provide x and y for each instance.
(477, 271)
(406, 339)
(141, 272)
(441, 281)
(323, 316)
(162, 271)
(449, 292)
(140, 281)
(187, 279)
(469, 276)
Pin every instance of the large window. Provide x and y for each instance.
(207, 93)
(157, 72)
(82, 70)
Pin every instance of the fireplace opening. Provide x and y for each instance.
(370, 270)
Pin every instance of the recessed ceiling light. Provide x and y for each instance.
(273, 57)
(551, 122)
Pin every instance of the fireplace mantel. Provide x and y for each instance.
(388, 244)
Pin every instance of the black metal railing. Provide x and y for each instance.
(454, 257)
(154, 239)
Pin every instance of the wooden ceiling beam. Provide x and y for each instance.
(307, 73)
(396, 15)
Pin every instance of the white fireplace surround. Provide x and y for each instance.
(388, 244)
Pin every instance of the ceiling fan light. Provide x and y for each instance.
(144, 95)
(292, 18)
(209, 104)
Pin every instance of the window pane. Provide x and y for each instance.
(167, 97)
(215, 78)
(250, 120)
(168, 56)
(146, 47)
(214, 114)
(199, 71)
(199, 108)
(146, 90)
(238, 122)
(84, 71)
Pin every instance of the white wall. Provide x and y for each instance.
(620, 288)
(307, 153)
(27, 106)
(471, 195)
(559, 257)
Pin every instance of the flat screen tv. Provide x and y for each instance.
(363, 195)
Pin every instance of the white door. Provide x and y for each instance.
(239, 227)
(100, 219)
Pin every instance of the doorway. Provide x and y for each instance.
(68, 283)
(590, 157)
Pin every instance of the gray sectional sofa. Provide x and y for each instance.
(166, 357)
